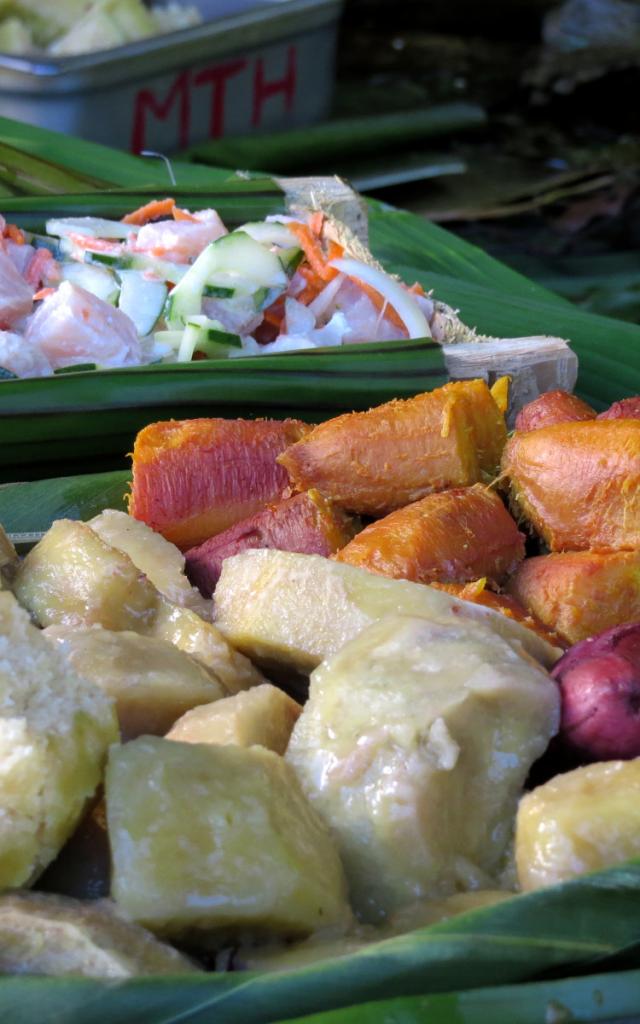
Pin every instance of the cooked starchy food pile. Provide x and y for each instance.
(70, 27)
(317, 687)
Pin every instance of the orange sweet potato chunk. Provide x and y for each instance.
(455, 535)
(580, 593)
(374, 462)
(578, 484)
(553, 407)
(478, 593)
(305, 523)
(194, 478)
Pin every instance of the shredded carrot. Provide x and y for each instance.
(334, 251)
(14, 233)
(312, 249)
(44, 293)
(150, 211)
(274, 313)
(91, 244)
(179, 214)
(381, 303)
(417, 289)
(316, 222)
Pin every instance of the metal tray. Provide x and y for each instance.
(255, 70)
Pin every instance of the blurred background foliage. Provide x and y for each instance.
(514, 122)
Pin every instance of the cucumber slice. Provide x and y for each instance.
(97, 280)
(96, 227)
(141, 299)
(264, 297)
(54, 245)
(235, 258)
(170, 338)
(206, 336)
(290, 259)
(216, 291)
(164, 270)
(270, 233)
(103, 259)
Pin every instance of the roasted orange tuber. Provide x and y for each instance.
(456, 535)
(194, 478)
(478, 593)
(306, 523)
(553, 407)
(578, 484)
(580, 593)
(374, 462)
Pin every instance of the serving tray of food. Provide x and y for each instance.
(338, 681)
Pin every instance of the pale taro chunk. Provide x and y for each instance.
(206, 837)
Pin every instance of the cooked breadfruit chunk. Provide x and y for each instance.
(298, 609)
(151, 682)
(578, 484)
(73, 578)
(194, 478)
(455, 536)
(580, 593)
(56, 935)
(160, 561)
(218, 837)
(306, 523)
(204, 642)
(374, 462)
(414, 746)
(55, 728)
(263, 716)
(581, 821)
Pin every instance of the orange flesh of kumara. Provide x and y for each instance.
(455, 536)
(305, 523)
(478, 593)
(194, 478)
(374, 462)
(578, 484)
(580, 593)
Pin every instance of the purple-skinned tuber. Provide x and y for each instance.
(600, 691)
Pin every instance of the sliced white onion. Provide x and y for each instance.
(323, 299)
(398, 297)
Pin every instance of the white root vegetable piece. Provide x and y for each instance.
(151, 681)
(160, 560)
(414, 746)
(55, 728)
(581, 821)
(218, 837)
(59, 936)
(73, 578)
(298, 609)
(262, 716)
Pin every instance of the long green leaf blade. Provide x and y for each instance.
(579, 926)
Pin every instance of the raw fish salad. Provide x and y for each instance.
(167, 285)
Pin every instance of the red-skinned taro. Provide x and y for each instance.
(600, 689)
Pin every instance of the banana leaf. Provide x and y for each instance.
(597, 999)
(26, 164)
(584, 926)
(328, 145)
